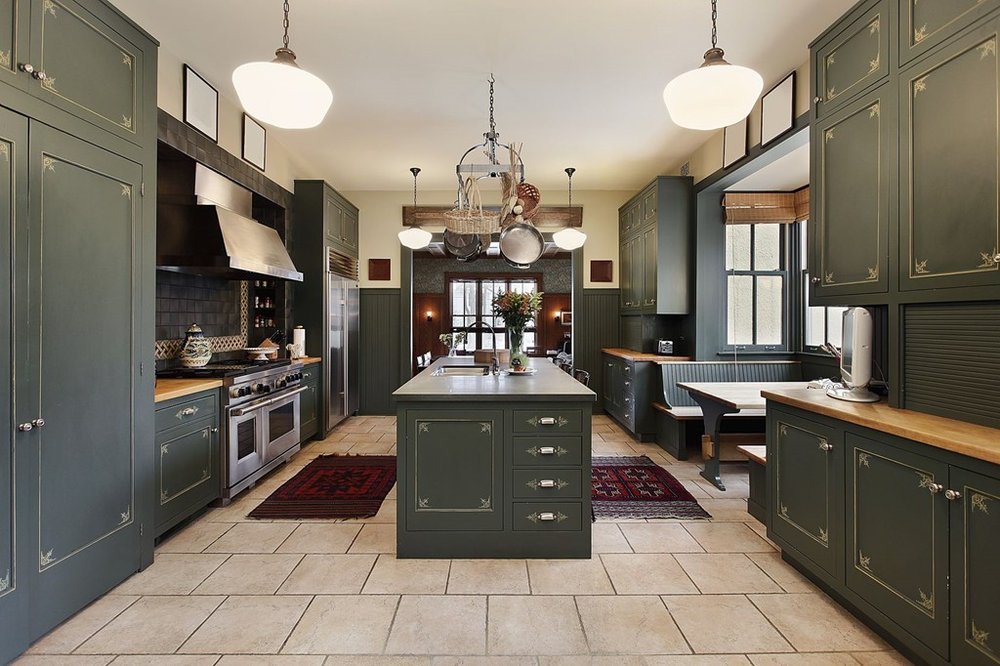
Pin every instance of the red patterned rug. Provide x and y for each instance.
(636, 487)
(332, 487)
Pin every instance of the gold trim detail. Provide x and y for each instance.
(874, 63)
(126, 191)
(5, 583)
(874, 26)
(987, 259)
(919, 85)
(925, 602)
(48, 164)
(874, 111)
(486, 427)
(872, 273)
(864, 460)
(783, 429)
(49, 83)
(5, 58)
(423, 502)
(126, 515)
(126, 122)
(979, 637)
(987, 49)
(830, 59)
(5, 151)
(926, 481)
(784, 511)
(423, 427)
(45, 559)
(126, 59)
(828, 135)
(979, 502)
(828, 278)
(164, 497)
(920, 34)
(864, 562)
(920, 267)
(49, 7)
(485, 502)
(824, 536)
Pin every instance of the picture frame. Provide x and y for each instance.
(566, 318)
(734, 144)
(254, 142)
(201, 104)
(777, 110)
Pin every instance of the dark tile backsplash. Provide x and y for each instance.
(183, 299)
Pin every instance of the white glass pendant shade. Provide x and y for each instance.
(714, 96)
(569, 238)
(282, 94)
(415, 238)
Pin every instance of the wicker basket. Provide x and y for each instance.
(531, 197)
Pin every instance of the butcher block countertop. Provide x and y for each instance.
(308, 360)
(967, 439)
(168, 389)
(631, 355)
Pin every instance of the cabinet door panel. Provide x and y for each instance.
(636, 268)
(72, 46)
(14, 565)
(806, 460)
(975, 569)
(334, 218)
(187, 470)
(649, 268)
(455, 470)
(923, 25)
(14, 26)
(853, 60)
(649, 204)
(350, 225)
(949, 153)
(854, 151)
(898, 537)
(84, 212)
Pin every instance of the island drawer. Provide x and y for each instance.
(546, 421)
(548, 516)
(548, 451)
(547, 483)
(200, 407)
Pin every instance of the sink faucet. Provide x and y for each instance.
(495, 364)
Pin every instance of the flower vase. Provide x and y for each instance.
(452, 351)
(517, 355)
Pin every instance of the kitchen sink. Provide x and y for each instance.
(461, 371)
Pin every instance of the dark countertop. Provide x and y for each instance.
(631, 355)
(550, 384)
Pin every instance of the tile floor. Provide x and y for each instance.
(230, 591)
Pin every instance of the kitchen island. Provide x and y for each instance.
(493, 466)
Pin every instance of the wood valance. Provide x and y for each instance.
(766, 207)
(547, 216)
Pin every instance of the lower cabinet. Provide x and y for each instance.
(908, 534)
(309, 403)
(187, 458)
(630, 389)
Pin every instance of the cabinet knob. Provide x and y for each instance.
(952, 495)
(25, 427)
(814, 279)
(26, 67)
(38, 423)
(215, 430)
(825, 446)
(935, 488)
(817, 99)
(996, 258)
(39, 75)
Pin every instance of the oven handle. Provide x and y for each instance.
(240, 411)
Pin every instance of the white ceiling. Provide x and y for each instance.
(785, 174)
(578, 81)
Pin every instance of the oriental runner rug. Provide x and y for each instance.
(335, 486)
(636, 487)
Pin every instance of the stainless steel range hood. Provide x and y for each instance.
(211, 233)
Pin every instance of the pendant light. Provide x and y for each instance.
(715, 95)
(415, 238)
(569, 238)
(281, 93)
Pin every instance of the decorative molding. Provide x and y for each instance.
(988, 259)
(48, 163)
(5, 151)
(926, 481)
(979, 637)
(864, 460)
(987, 49)
(423, 427)
(126, 515)
(872, 273)
(49, 7)
(925, 602)
(46, 558)
(486, 427)
(920, 267)
(486, 503)
(978, 503)
(5, 582)
(919, 85)
(423, 502)
(864, 562)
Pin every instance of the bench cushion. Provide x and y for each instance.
(722, 371)
(694, 413)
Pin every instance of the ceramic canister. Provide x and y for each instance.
(197, 349)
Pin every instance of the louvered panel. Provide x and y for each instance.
(951, 361)
(341, 264)
(595, 328)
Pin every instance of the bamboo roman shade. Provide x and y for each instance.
(766, 207)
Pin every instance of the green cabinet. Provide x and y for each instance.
(341, 219)
(950, 153)
(14, 27)
(455, 472)
(309, 402)
(852, 59)
(975, 552)
(630, 389)
(630, 274)
(649, 267)
(852, 166)
(806, 472)
(897, 536)
(924, 25)
(188, 459)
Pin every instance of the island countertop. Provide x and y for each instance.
(549, 384)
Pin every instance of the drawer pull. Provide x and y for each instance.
(547, 420)
(558, 484)
(536, 421)
(547, 517)
(546, 451)
(187, 411)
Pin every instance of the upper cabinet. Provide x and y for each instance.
(853, 58)
(655, 228)
(924, 25)
(14, 28)
(341, 222)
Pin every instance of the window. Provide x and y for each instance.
(820, 324)
(756, 286)
(471, 300)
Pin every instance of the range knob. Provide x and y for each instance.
(235, 392)
(246, 390)
(281, 383)
(259, 388)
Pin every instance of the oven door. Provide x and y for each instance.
(280, 427)
(245, 443)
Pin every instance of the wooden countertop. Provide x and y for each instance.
(309, 360)
(967, 439)
(631, 355)
(168, 389)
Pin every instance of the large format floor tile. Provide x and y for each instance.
(488, 577)
(814, 623)
(392, 576)
(172, 573)
(329, 574)
(449, 624)
(524, 625)
(249, 574)
(727, 538)
(726, 624)
(67, 636)
(252, 538)
(343, 625)
(569, 577)
(629, 625)
(248, 625)
(650, 573)
(152, 625)
(660, 538)
(323, 538)
(725, 573)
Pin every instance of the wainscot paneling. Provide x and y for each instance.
(379, 353)
(596, 327)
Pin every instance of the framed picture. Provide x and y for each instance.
(201, 104)
(566, 318)
(734, 146)
(777, 110)
(254, 142)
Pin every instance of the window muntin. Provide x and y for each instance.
(757, 287)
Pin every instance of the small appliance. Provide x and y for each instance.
(664, 346)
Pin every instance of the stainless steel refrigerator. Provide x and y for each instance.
(340, 385)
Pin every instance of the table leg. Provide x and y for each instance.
(712, 413)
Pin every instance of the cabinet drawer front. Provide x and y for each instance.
(923, 25)
(548, 421)
(187, 412)
(949, 152)
(853, 60)
(548, 451)
(187, 462)
(548, 517)
(898, 536)
(548, 483)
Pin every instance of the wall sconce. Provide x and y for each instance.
(430, 316)
(559, 316)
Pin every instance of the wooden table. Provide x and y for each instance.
(717, 399)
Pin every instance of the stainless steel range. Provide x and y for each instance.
(261, 418)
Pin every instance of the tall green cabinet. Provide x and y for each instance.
(77, 144)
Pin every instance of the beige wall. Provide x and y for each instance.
(708, 159)
(381, 221)
(281, 167)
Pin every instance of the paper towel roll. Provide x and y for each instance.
(299, 340)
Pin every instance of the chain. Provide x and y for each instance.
(569, 174)
(414, 171)
(493, 125)
(285, 24)
(715, 18)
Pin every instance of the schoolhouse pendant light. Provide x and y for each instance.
(569, 238)
(415, 238)
(715, 95)
(281, 93)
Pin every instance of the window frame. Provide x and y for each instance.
(802, 242)
(485, 311)
(786, 240)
